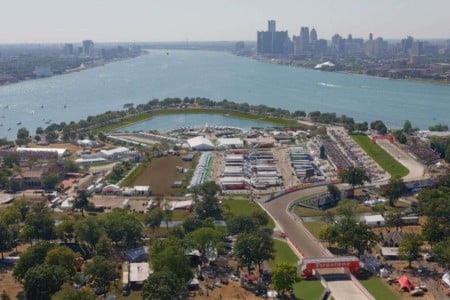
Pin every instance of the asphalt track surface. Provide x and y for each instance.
(338, 282)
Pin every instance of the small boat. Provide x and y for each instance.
(65, 106)
(42, 106)
(9, 129)
(19, 123)
(167, 53)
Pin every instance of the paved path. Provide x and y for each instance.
(416, 169)
(342, 287)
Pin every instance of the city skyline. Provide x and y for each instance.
(48, 21)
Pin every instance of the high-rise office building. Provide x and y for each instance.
(313, 36)
(272, 41)
(272, 25)
(304, 38)
(88, 48)
(68, 49)
(407, 44)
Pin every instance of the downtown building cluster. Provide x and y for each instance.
(307, 44)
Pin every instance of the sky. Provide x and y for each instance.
(58, 21)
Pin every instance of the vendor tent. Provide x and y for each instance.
(405, 284)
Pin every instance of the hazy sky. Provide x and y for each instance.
(213, 20)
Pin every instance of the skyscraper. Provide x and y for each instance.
(68, 49)
(272, 41)
(304, 38)
(272, 25)
(313, 36)
(88, 48)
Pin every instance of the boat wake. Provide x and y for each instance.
(330, 85)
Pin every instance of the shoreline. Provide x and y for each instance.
(288, 63)
(82, 67)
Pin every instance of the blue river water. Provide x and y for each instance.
(218, 75)
(170, 122)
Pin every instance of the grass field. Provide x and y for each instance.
(378, 288)
(160, 175)
(243, 207)
(314, 227)
(133, 175)
(309, 212)
(305, 289)
(378, 154)
(144, 116)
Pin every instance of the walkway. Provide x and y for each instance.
(341, 287)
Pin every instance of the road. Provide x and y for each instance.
(416, 169)
(341, 287)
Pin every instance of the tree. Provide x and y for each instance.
(209, 188)
(334, 192)
(168, 256)
(162, 286)
(39, 130)
(167, 214)
(204, 238)
(260, 218)
(395, 189)
(241, 223)
(379, 126)
(23, 207)
(42, 281)
(5, 238)
(68, 292)
(49, 181)
(355, 177)
(400, 136)
(441, 252)
(363, 238)
(100, 272)
(284, 276)
(409, 248)
(51, 136)
(23, 136)
(154, 218)
(33, 256)
(191, 223)
(39, 224)
(65, 230)
(104, 247)
(63, 257)
(394, 219)
(81, 201)
(122, 227)
(209, 207)
(407, 127)
(88, 230)
(71, 166)
(253, 248)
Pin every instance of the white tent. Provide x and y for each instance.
(200, 143)
(374, 220)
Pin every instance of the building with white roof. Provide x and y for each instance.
(200, 143)
(374, 220)
(115, 153)
(230, 143)
(60, 151)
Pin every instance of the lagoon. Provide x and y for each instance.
(173, 121)
(218, 75)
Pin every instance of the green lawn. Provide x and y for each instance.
(384, 159)
(243, 207)
(314, 227)
(305, 289)
(132, 176)
(378, 288)
(309, 212)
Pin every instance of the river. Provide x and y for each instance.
(218, 75)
